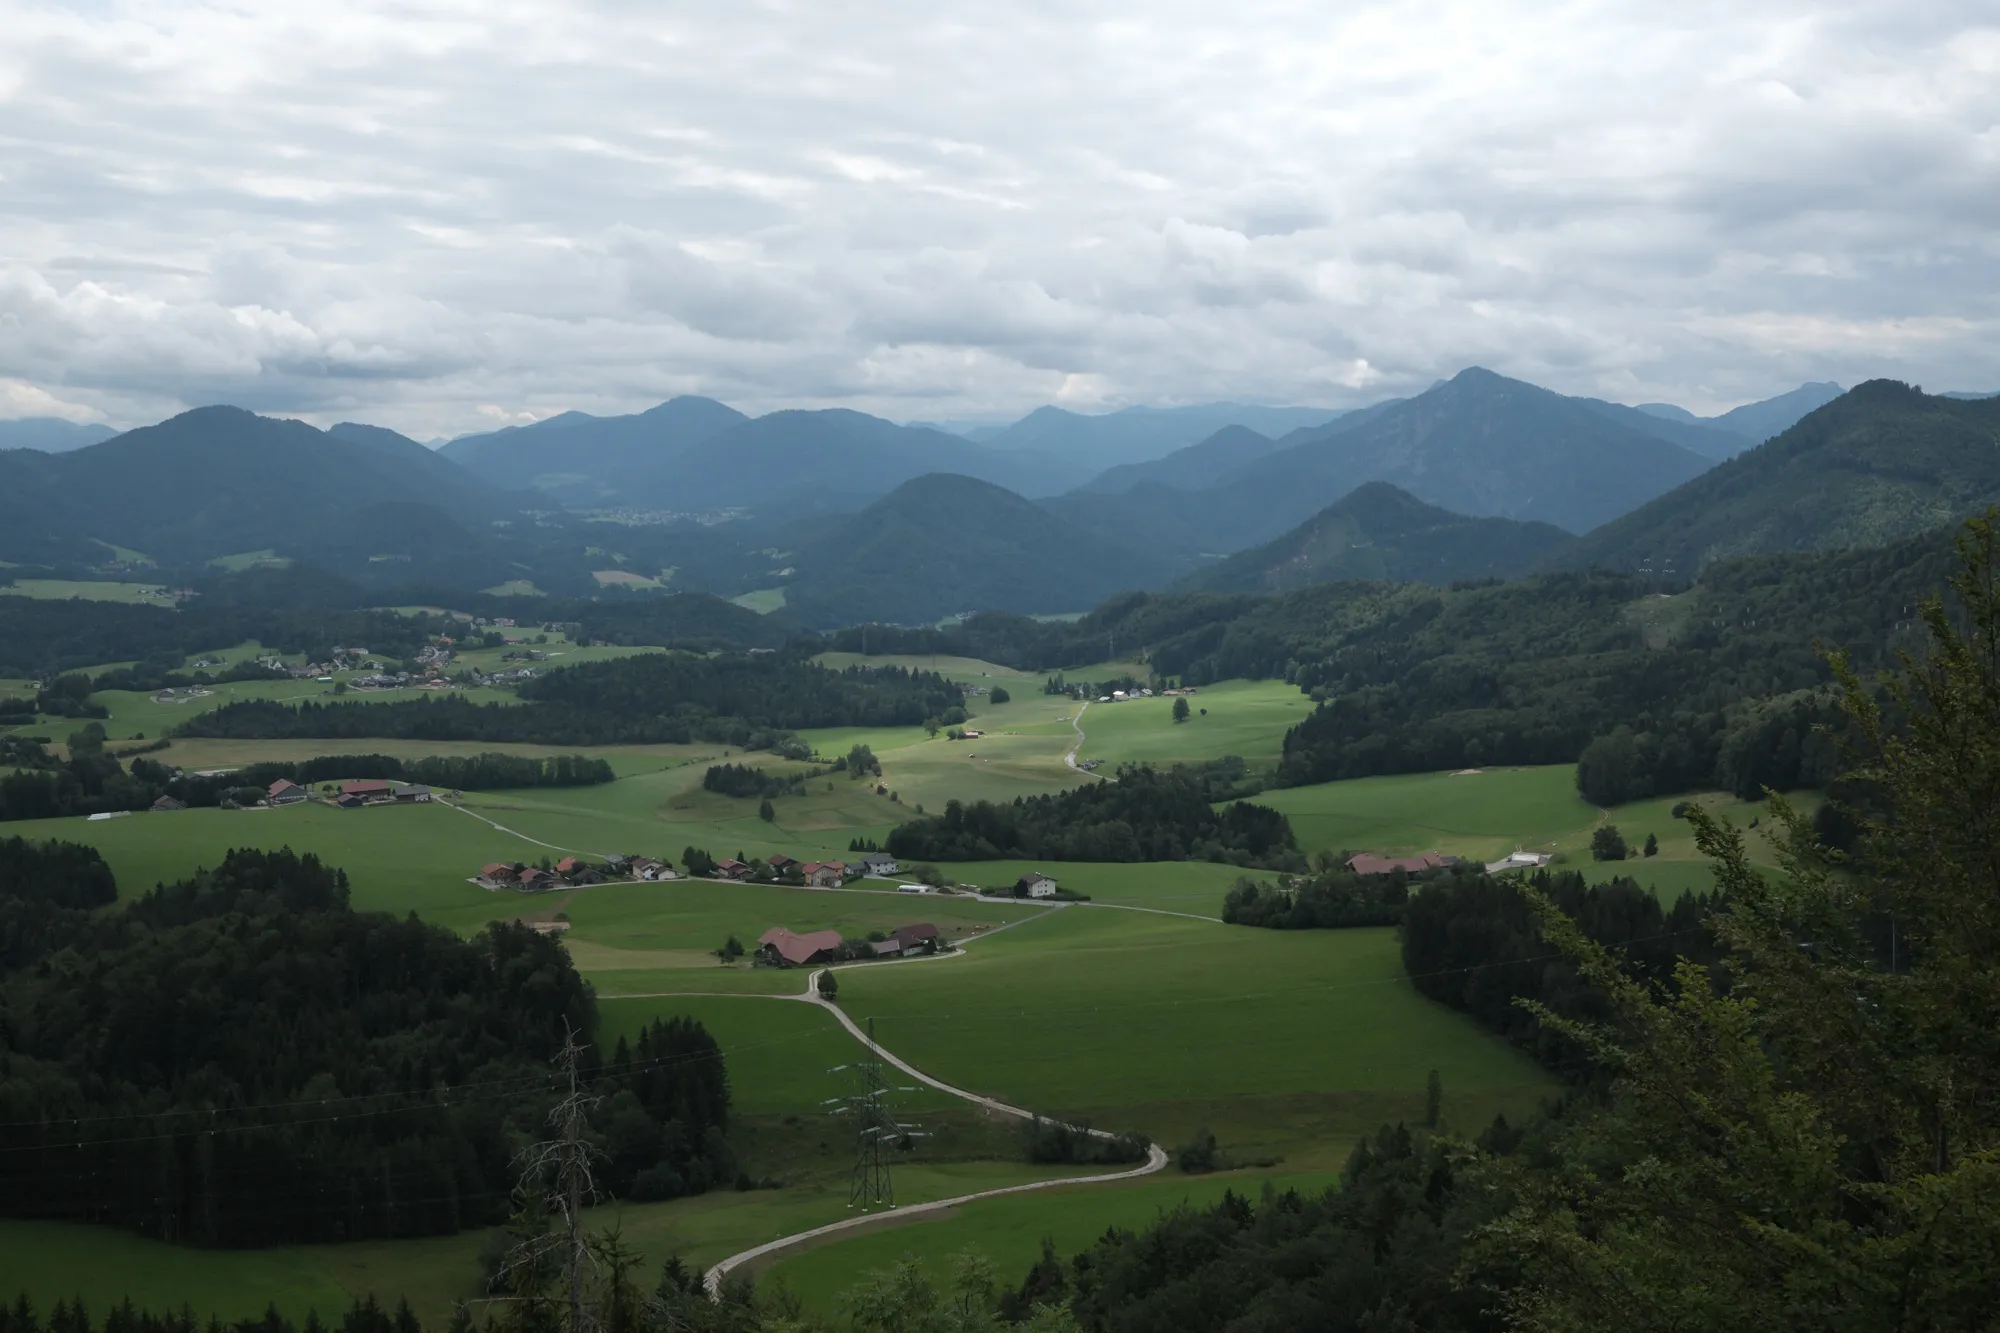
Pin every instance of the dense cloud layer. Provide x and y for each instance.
(444, 215)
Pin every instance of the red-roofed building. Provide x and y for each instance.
(569, 865)
(781, 947)
(1367, 863)
(368, 789)
(782, 864)
(499, 872)
(285, 792)
(824, 874)
(732, 869)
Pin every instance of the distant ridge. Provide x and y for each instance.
(1141, 434)
(1379, 531)
(1882, 462)
(51, 435)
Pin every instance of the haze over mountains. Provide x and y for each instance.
(852, 517)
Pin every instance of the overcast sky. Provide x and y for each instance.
(442, 216)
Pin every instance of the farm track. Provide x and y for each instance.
(1077, 724)
(1156, 1157)
(511, 832)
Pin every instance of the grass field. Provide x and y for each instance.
(1286, 1043)
(88, 590)
(761, 600)
(1245, 718)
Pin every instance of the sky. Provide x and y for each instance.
(445, 217)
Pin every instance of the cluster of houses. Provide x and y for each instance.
(571, 872)
(779, 947)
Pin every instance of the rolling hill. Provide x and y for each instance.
(1381, 532)
(1882, 462)
(940, 545)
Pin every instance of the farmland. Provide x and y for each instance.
(88, 590)
(1287, 1044)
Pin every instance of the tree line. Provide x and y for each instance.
(744, 780)
(253, 1062)
(750, 701)
(1145, 814)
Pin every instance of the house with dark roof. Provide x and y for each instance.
(889, 948)
(166, 803)
(732, 869)
(1034, 884)
(918, 937)
(410, 792)
(779, 947)
(500, 872)
(1367, 863)
(782, 865)
(878, 863)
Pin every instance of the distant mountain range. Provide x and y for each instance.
(1882, 462)
(51, 435)
(695, 454)
(1380, 532)
(1755, 422)
(1139, 434)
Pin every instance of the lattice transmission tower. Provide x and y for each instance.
(877, 1132)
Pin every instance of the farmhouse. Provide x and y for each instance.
(367, 789)
(782, 865)
(500, 873)
(410, 792)
(538, 881)
(1367, 863)
(569, 865)
(736, 870)
(889, 948)
(168, 803)
(285, 792)
(878, 863)
(918, 937)
(1034, 884)
(824, 874)
(779, 947)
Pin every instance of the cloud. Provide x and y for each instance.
(443, 214)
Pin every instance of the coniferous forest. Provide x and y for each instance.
(241, 1059)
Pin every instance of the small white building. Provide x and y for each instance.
(1036, 885)
(1518, 861)
(879, 863)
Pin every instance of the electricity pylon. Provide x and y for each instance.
(875, 1129)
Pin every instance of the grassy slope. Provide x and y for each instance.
(89, 591)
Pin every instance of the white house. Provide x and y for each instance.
(1036, 885)
(879, 863)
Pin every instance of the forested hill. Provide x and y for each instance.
(240, 1059)
(1382, 532)
(942, 545)
(1878, 464)
(217, 481)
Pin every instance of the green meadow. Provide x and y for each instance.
(1243, 717)
(1287, 1044)
(87, 590)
